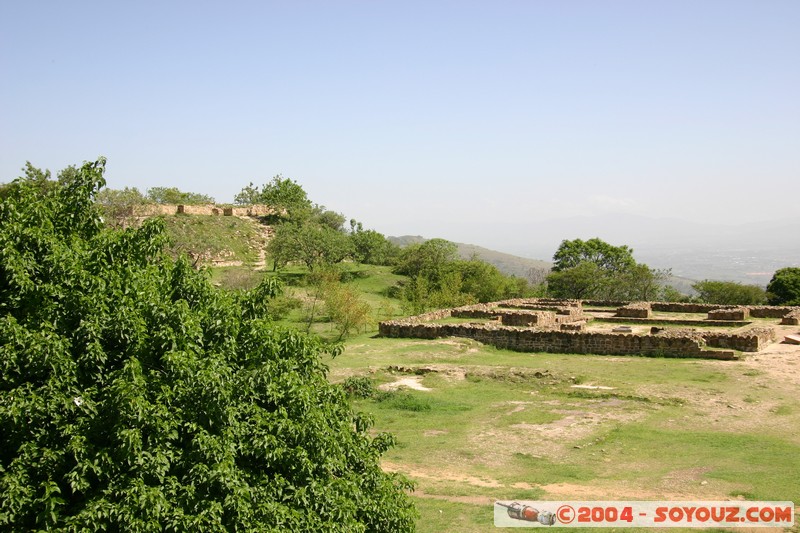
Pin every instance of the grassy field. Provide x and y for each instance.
(475, 424)
(496, 424)
(232, 239)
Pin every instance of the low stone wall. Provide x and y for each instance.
(792, 318)
(528, 330)
(152, 210)
(249, 211)
(510, 317)
(675, 321)
(681, 307)
(528, 318)
(752, 340)
(756, 311)
(771, 311)
(733, 313)
(209, 209)
(530, 340)
(635, 310)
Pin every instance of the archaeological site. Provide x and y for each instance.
(654, 329)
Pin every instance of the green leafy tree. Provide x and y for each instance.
(326, 217)
(286, 196)
(429, 259)
(596, 269)
(639, 282)
(784, 287)
(371, 247)
(486, 283)
(118, 204)
(249, 195)
(135, 396)
(33, 177)
(310, 244)
(174, 196)
(729, 293)
(345, 308)
(606, 256)
(585, 280)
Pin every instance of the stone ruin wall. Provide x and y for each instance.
(535, 325)
(752, 340)
(733, 313)
(520, 312)
(756, 311)
(635, 310)
(150, 210)
(209, 209)
(532, 340)
(792, 318)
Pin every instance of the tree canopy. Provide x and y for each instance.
(135, 396)
(784, 287)
(174, 196)
(729, 293)
(285, 195)
(606, 256)
(440, 279)
(596, 269)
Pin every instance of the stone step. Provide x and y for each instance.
(792, 339)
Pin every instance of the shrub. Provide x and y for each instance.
(359, 387)
(135, 396)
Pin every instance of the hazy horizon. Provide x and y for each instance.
(477, 122)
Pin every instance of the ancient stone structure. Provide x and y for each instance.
(792, 318)
(752, 340)
(635, 310)
(544, 325)
(733, 313)
(150, 210)
(533, 340)
(756, 311)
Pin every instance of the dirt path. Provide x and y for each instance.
(412, 382)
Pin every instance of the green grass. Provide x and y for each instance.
(214, 237)
(498, 424)
(236, 277)
(488, 436)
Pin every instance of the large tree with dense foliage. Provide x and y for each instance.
(440, 279)
(608, 257)
(784, 287)
(134, 396)
(371, 247)
(285, 195)
(309, 243)
(596, 269)
(173, 195)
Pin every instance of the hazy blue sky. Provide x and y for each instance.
(465, 120)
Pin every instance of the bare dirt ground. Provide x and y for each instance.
(412, 382)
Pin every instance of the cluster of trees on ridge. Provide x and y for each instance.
(319, 238)
(136, 396)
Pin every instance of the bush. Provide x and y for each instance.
(729, 293)
(359, 387)
(402, 401)
(784, 287)
(135, 396)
